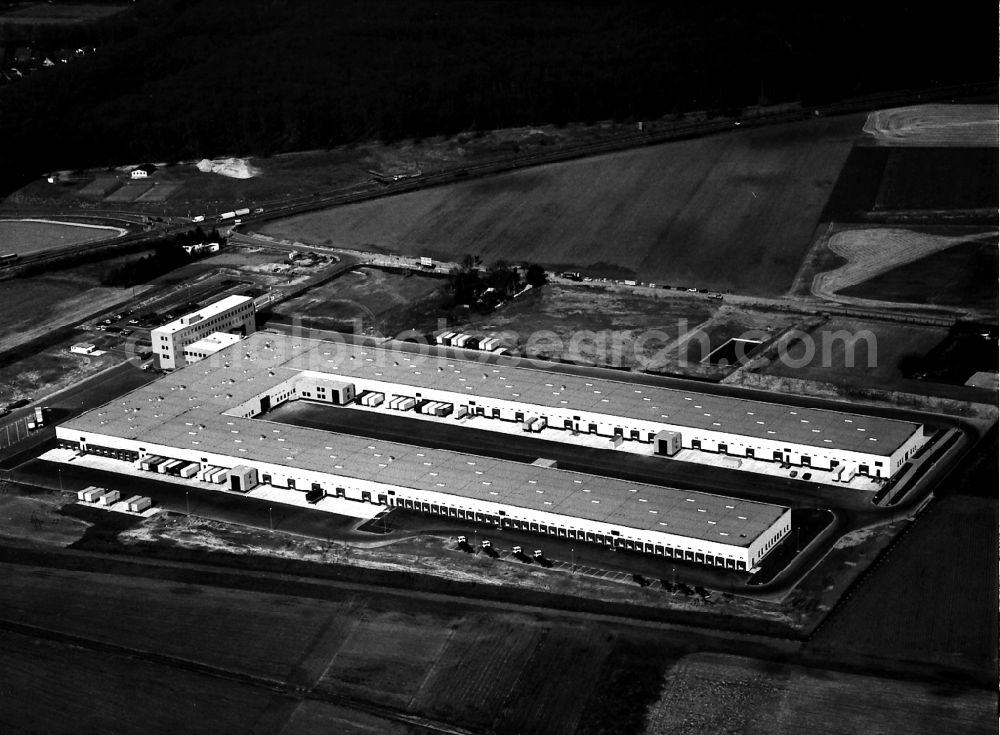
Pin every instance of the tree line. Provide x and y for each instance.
(169, 255)
(485, 288)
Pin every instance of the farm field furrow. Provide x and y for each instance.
(216, 628)
(386, 659)
(964, 275)
(675, 212)
(730, 694)
(477, 670)
(554, 685)
(73, 690)
(933, 598)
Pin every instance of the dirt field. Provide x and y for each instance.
(934, 125)
(729, 694)
(30, 236)
(606, 326)
(725, 212)
(35, 518)
(383, 660)
(933, 598)
(869, 252)
(496, 671)
(963, 275)
(34, 306)
(379, 298)
(37, 13)
(72, 690)
(939, 179)
(887, 345)
(49, 370)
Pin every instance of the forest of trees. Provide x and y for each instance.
(168, 255)
(484, 288)
(234, 77)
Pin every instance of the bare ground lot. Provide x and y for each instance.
(26, 236)
(381, 299)
(856, 353)
(50, 370)
(641, 212)
(730, 694)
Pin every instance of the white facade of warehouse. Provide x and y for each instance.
(741, 555)
(816, 456)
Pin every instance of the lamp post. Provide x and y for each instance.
(187, 501)
(270, 519)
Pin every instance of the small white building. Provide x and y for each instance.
(142, 172)
(209, 346)
(83, 348)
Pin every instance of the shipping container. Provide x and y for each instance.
(461, 412)
(377, 399)
(139, 503)
(148, 462)
(172, 467)
(407, 403)
(460, 340)
(156, 462)
(444, 409)
(82, 494)
(190, 471)
(93, 494)
(444, 338)
(110, 497)
(218, 477)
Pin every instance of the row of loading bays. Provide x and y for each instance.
(612, 540)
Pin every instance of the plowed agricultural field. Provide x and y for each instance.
(734, 211)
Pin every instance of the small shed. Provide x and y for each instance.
(144, 171)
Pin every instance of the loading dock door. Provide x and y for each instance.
(234, 483)
(265, 404)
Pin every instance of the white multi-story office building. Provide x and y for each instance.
(232, 315)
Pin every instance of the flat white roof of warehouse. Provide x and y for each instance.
(185, 410)
(820, 428)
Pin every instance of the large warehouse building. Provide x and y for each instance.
(201, 423)
(664, 418)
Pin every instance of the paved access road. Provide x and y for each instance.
(72, 401)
